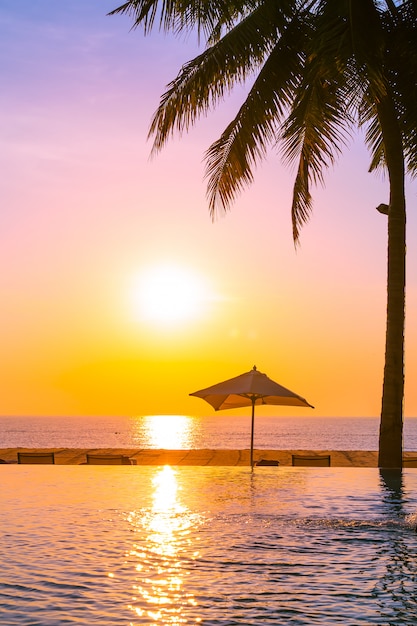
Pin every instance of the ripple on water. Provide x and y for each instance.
(207, 545)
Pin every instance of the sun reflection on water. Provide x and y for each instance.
(162, 560)
(173, 432)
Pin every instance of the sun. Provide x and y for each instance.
(168, 294)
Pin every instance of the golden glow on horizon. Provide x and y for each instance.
(169, 294)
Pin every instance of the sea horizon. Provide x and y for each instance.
(218, 431)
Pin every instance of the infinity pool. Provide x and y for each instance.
(196, 545)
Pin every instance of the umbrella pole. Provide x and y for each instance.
(251, 432)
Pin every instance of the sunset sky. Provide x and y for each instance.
(90, 226)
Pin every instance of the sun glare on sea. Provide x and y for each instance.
(169, 294)
(168, 431)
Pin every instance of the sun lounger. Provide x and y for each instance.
(108, 459)
(36, 457)
(304, 460)
(268, 462)
(410, 461)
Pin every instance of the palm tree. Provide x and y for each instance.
(317, 70)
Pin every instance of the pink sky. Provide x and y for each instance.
(84, 211)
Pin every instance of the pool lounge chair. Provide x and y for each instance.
(410, 461)
(316, 460)
(39, 458)
(108, 459)
(272, 462)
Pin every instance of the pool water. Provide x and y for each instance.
(197, 545)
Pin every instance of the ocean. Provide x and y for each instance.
(178, 432)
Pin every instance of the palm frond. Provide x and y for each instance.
(314, 133)
(302, 205)
(375, 141)
(206, 16)
(344, 59)
(349, 35)
(401, 68)
(244, 143)
(205, 80)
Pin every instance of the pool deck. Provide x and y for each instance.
(75, 456)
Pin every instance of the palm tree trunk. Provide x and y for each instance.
(391, 425)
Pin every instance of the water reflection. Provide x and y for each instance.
(398, 584)
(162, 559)
(171, 432)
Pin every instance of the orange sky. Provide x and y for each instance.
(85, 213)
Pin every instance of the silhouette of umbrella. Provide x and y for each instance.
(249, 389)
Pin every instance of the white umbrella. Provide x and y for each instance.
(249, 389)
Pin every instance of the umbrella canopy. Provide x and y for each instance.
(249, 389)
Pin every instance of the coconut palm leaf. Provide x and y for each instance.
(205, 80)
(244, 143)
